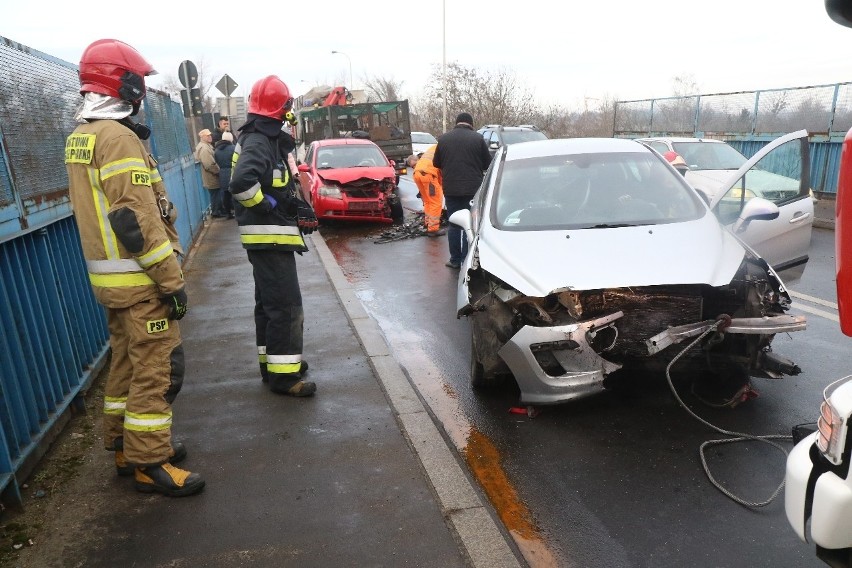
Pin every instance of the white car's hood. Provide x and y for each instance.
(537, 263)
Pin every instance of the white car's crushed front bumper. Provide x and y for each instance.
(585, 369)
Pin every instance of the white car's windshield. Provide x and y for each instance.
(423, 138)
(591, 191)
(709, 155)
(350, 156)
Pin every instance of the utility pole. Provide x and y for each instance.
(444, 65)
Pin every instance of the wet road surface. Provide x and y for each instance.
(614, 480)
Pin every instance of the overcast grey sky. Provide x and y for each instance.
(564, 52)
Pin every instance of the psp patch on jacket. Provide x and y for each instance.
(140, 177)
(157, 326)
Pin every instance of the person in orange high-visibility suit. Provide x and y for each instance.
(428, 180)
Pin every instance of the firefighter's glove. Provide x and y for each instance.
(177, 304)
(307, 218)
(269, 203)
(291, 118)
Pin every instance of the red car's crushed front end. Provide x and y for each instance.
(365, 198)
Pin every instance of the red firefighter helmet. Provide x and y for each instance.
(270, 97)
(111, 67)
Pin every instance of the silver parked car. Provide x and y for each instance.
(593, 256)
(422, 141)
(784, 241)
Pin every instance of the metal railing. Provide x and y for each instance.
(750, 119)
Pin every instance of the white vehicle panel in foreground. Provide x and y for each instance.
(817, 486)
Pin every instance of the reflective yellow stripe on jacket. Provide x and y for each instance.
(117, 272)
(271, 235)
(253, 195)
(279, 180)
(250, 197)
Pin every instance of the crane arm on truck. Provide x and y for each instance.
(337, 96)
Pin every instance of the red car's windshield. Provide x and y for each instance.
(350, 156)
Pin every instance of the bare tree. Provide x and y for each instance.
(382, 88)
(492, 97)
(497, 97)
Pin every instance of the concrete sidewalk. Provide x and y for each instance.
(358, 475)
(824, 213)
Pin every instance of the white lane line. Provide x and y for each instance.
(813, 300)
(816, 312)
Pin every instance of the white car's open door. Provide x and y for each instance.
(780, 173)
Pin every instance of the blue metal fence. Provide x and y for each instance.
(53, 334)
(52, 337)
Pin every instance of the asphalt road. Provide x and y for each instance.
(613, 480)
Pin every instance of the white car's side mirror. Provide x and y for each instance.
(757, 209)
(463, 219)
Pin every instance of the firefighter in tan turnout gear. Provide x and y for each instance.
(130, 245)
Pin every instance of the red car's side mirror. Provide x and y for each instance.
(303, 168)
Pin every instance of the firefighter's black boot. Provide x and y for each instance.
(291, 385)
(168, 480)
(123, 468)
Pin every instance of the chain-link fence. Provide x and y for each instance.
(39, 96)
(750, 119)
(824, 110)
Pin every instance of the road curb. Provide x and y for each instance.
(461, 504)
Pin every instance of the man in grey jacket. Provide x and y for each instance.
(209, 171)
(462, 156)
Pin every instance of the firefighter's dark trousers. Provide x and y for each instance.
(145, 375)
(278, 315)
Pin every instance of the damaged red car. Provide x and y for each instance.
(350, 179)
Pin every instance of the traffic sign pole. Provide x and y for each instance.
(188, 77)
(226, 86)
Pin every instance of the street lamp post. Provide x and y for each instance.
(351, 83)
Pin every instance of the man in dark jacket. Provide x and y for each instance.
(462, 156)
(272, 219)
(223, 153)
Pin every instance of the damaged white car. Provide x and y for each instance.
(590, 257)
